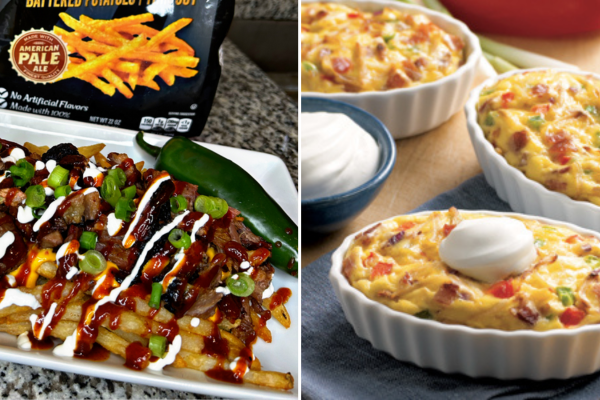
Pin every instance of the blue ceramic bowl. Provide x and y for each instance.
(327, 214)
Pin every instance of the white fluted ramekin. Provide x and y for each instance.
(563, 353)
(414, 110)
(521, 193)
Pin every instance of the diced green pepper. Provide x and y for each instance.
(309, 67)
(425, 314)
(566, 296)
(536, 122)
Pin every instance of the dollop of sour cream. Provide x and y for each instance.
(337, 155)
(489, 249)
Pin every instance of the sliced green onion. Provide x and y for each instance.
(500, 64)
(129, 192)
(158, 345)
(592, 110)
(536, 122)
(215, 207)
(566, 295)
(58, 177)
(155, 296)
(489, 120)
(588, 171)
(38, 212)
(110, 191)
(62, 191)
(119, 176)
(178, 203)
(124, 208)
(309, 67)
(22, 172)
(88, 240)
(243, 286)
(93, 263)
(425, 314)
(180, 239)
(593, 261)
(36, 196)
(389, 36)
(539, 243)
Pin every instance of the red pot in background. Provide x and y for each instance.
(527, 17)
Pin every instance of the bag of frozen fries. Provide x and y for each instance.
(151, 65)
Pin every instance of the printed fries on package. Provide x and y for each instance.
(134, 64)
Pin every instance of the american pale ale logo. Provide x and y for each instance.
(39, 56)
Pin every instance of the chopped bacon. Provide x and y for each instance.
(407, 279)
(381, 269)
(448, 228)
(341, 65)
(407, 225)
(418, 37)
(518, 140)
(397, 79)
(381, 50)
(457, 42)
(527, 313)
(507, 98)
(447, 293)
(502, 289)
(395, 239)
(366, 237)
(586, 247)
(540, 108)
(572, 316)
(421, 62)
(321, 14)
(484, 105)
(411, 70)
(539, 89)
(562, 145)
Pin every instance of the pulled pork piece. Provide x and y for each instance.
(188, 191)
(73, 213)
(205, 303)
(16, 253)
(51, 240)
(91, 203)
(15, 196)
(262, 280)
(59, 151)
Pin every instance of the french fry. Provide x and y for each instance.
(39, 150)
(148, 83)
(167, 77)
(103, 60)
(260, 327)
(180, 61)
(91, 32)
(106, 88)
(117, 82)
(90, 151)
(126, 66)
(169, 44)
(275, 380)
(153, 70)
(168, 32)
(183, 72)
(102, 161)
(280, 313)
(119, 22)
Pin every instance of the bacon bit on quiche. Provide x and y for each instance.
(518, 140)
(447, 229)
(540, 108)
(573, 239)
(347, 267)
(447, 293)
(407, 279)
(507, 98)
(527, 313)
(381, 269)
(539, 89)
(341, 65)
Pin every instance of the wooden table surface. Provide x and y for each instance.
(441, 159)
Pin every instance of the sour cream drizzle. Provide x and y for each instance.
(25, 214)
(6, 240)
(47, 320)
(14, 297)
(15, 155)
(68, 347)
(127, 241)
(23, 341)
(113, 224)
(49, 213)
(169, 357)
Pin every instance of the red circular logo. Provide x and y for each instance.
(39, 56)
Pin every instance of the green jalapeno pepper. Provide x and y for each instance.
(217, 176)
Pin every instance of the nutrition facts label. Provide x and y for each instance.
(166, 125)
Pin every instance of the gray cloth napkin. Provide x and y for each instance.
(337, 364)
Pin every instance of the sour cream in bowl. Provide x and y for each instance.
(342, 169)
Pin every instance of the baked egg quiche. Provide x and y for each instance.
(507, 273)
(547, 125)
(345, 49)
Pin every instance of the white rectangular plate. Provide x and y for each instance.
(280, 355)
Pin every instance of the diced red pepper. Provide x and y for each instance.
(381, 269)
(327, 78)
(353, 15)
(407, 225)
(507, 98)
(572, 316)
(573, 239)
(341, 65)
(540, 108)
(502, 289)
(448, 229)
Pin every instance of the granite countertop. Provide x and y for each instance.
(250, 112)
(285, 10)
